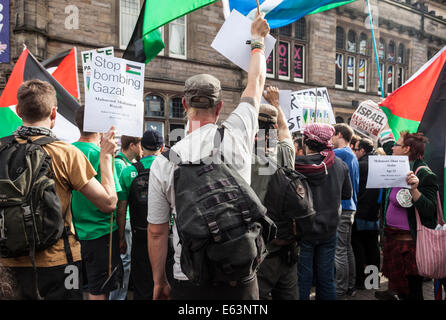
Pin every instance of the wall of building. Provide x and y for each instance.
(40, 24)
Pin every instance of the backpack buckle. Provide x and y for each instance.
(246, 215)
(27, 215)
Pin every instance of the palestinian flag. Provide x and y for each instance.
(143, 46)
(133, 69)
(420, 106)
(28, 68)
(63, 67)
(146, 40)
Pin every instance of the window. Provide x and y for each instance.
(177, 38)
(128, 15)
(351, 73)
(287, 60)
(270, 64)
(362, 75)
(351, 42)
(176, 46)
(284, 59)
(339, 70)
(392, 65)
(381, 49)
(352, 57)
(401, 53)
(340, 38)
(176, 108)
(165, 113)
(363, 44)
(391, 52)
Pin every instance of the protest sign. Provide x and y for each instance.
(231, 40)
(115, 96)
(86, 63)
(304, 107)
(387, 172)
(368, 120)
(284, 101)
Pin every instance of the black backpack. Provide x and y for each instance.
(138, 199)
(289, 202)
(221, 222)
(31, 218)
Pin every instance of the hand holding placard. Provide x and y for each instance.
(388, 172)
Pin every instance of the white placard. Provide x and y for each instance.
(303, 107)
(231, 40)
(115, 96)
(368, 120)
(388, 172)
(284, 101)
(86, 57)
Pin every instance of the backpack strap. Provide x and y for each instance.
(5, 141)
(139, 167)
(120, 157)
(44, 140)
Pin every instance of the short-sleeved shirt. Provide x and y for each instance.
(122, 162)
(237, 146)
(130, 173)
(72, 171)
(90, 223)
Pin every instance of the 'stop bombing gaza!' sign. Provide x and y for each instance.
(115, 96)
(368, 120)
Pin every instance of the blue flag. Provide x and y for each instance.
(280, 13)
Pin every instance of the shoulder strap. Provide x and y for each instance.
(139, 167)
(421, 167)
(120, 157)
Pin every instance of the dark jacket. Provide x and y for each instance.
(426, 204)
(328, 190)
(368, 207)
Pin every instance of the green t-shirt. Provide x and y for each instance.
(90, 223)
(120, 165)
(130, 173)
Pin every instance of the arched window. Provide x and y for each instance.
(300, 29)
(363, 44)
(391, 51)
(176, 108)
(153, 106)
(340, 38)
(401, 53)
(351, 41)
(381, 49)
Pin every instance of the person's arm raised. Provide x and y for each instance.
(257, 65)
(272, 96)
(103, 195)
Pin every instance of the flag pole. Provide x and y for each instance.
(374, 48)
(315, 109)
(258, 7)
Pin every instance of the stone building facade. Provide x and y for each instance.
(332, 49)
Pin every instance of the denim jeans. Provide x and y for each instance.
(344, 258)
(317, 256)
(121, 293)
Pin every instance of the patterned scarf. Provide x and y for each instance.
(33, 131)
